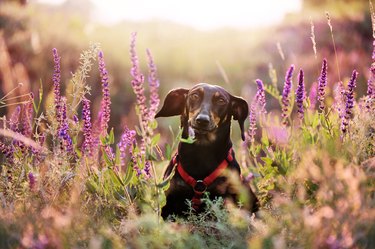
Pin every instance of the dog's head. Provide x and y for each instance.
(205, 108)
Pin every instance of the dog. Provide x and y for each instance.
(208, 164)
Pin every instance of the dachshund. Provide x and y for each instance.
(207, 164)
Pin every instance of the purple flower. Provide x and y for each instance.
(75, 119)
(258, 103)
(32, 181)
(106, 101)
(300, 95)
(313, 95)
(126, 142)
(37, 153)
(286, 94)
(147, 169)
(371, 88)
(249, 177)
(261, 97)
(349, 94)
(86, 117)
(63, 131)
(14, 119)
(339, 93)
(137, 82)
(252, 121)
(370, 82)
(27, 119)
(56, 84)
(95, 134)
(154, 86)
(322, 84)
(7, 151)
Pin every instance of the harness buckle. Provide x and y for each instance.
(200, 187)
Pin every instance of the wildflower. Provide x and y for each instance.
(63, 131)
(313, 95)
(75, 119)
(286, 94)
(258, 103)
(322, 84)
(252, 121)
(261, 96)
(86, 117)
(349, 94)
(339, 93)
(370, 82)
(147, 169)
(300, 94)
(154, 86)
(32, 181)
(371, 88)
(26, 119)
(37, 153)
(7, 151)
(95, 134)
(106, 101)
(109, 152)
(249, 177)
(137, 82)
(56, 84)
(278, 134)
(127, 140)
(15, 119)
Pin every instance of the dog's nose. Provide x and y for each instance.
(202, 119)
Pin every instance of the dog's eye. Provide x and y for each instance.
(220, 101)
(194, 96)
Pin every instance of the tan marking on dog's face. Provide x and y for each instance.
(211, 101)
(215, 118)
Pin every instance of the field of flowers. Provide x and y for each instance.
(66, 183)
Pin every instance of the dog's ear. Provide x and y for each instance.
(240, 111)
(174, 103)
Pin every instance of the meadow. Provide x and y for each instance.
(68, 179)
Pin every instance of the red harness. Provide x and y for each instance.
(200, 186)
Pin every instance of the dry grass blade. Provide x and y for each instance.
(19, 137)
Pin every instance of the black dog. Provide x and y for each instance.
(207, 164)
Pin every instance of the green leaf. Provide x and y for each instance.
(315, 121)
(129, 174)
(271, 90)
(92, 186)
(267, 160)
(189, 140)
(153, 124)
(111, 137)
(107, 160)
(264, 139)
(155, 139)
(103, 140)
(115, 178)
(117, 158)
(164, 185)
(168, 152)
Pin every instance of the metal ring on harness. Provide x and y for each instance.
(200, 187)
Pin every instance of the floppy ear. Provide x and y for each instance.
(174, 103)
(240, 111)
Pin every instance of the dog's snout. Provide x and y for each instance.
(202, 119)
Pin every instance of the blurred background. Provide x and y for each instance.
(229, 43)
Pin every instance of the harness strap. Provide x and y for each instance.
(200, 186)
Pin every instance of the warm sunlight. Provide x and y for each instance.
(200, 14)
